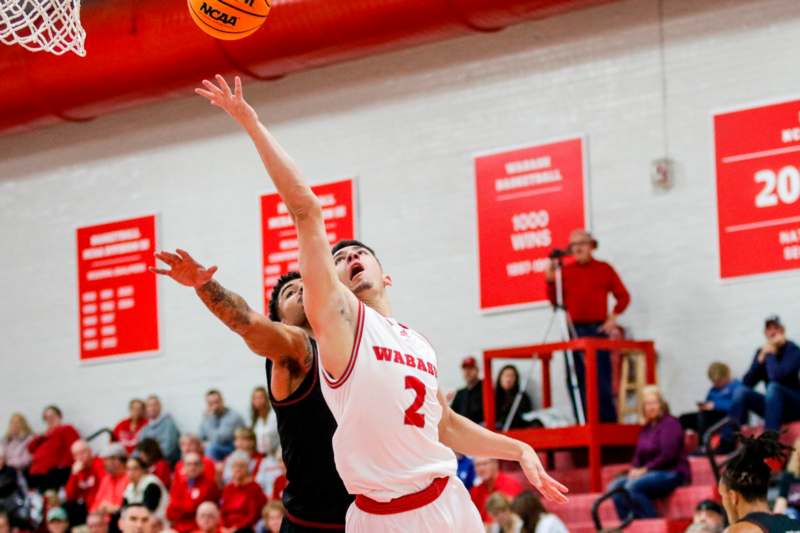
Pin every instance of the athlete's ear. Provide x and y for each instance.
(387, 280)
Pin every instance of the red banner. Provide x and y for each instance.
(529, 200)
(758, 187)
(279, 236)
(116, 294)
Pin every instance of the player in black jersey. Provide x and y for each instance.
(744, 485)
(315, 497)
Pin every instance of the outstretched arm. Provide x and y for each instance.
(331, 308)
(263, 336)
(468, 438)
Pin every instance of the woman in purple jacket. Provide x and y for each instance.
(659, 465)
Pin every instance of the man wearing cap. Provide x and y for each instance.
(57, 521)
(108, 498)
(468, 401)
(777, 364)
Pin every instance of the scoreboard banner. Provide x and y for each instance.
(757, 154)
(117, 296)
(529, 199)
(279, 236)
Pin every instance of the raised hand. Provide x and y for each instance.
(551, 489)
(184, 269)
(232, 102)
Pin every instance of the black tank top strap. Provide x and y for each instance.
(773, 523)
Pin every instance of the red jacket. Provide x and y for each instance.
(52, 450)
(184, 501)
(83, 485)
(126, 436)
(586, 290)
(163, 472)
(504, 483)
(242, 504)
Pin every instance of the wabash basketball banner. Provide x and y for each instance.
(758, 188)
(117, 299)
(279, 236)
(529, 199)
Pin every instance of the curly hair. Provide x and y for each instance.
(748, 472)
(274, 313)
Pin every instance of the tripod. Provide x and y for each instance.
(566, 332)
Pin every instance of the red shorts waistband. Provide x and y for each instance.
(409, 502)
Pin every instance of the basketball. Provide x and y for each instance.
(229, 19)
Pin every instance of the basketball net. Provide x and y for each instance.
(43, 25)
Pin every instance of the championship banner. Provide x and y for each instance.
(117, 295)
(758, 187)
(529, 200)
(279, 236)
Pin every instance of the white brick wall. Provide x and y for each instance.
(407, 124)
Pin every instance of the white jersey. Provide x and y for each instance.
(385, 404)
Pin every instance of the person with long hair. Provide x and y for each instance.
(659, 464)
(263, 421)
(15, 443)
(144, 488)
(505, 391)
(744, 483)
(150, 452)
(535, 518)
(127, 431)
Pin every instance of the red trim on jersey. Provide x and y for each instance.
(409, 502)
(307, 523)
(313, 370)
(336, 383)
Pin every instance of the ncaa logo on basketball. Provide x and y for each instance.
(218, 15)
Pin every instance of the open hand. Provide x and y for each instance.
(551, 489)
(232, 102)
(184, 269)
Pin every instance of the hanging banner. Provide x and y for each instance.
(117, 297)
(279, 236)
(758, 188)
(529, 199)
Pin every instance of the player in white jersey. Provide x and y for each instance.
(393, 447)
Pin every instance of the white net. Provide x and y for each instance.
(43, 25)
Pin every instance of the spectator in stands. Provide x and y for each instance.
(504, 520)
(263, 422)
(191, 443)
(57, 521)
(219, 423)
(161, 426)
(716, 405)
(144, 488)
(51, 459)
(535, 518)
(505, 392)
(150, 452)
(126, 432)
(134, 519)
(709, 517)
(242, 498)
(15, 443)
(84, 480)
(492, 480)
(245, 441)
(777, 364)
(97, 523)
(271, 518)
(659, 464)
(468, 401)
(5, 524)
(465, 470)
(12, 496)
(788, 500)
(108, 499)
(744, 483)
(587, 283)
(209, 519)
(188, 492)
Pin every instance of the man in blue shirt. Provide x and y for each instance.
(777, 364)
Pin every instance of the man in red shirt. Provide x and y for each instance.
(51, 457)
(587, 283)
(242, 498)
(492, 480)
(87, 473)
(188, 492)
(108, 498)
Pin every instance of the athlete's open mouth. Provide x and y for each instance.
(355, 270)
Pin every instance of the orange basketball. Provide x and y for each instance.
(229, 19)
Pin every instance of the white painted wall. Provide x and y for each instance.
(407, 124)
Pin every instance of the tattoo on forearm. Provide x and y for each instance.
(226, 305)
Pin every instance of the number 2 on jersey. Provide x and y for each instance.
(413, 416)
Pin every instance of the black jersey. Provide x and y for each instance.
(315, 497)
(773, 523)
